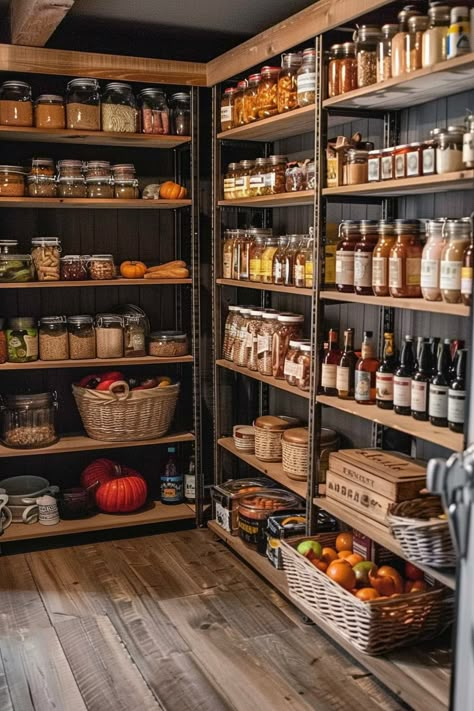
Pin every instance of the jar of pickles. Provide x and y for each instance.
(287, 98)
(250, 112)
(22, 339)
(265, 342)
(275, 177)
(239, 104)
(50, 111)
(267, 101)
(306, 79)
(289, 328)
(227, 109)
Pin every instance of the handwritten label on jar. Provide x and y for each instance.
(362, 385)
(450, 277)
(429, 273)
(379, 271)
(345, 268)
(456, 406)
(363, 269)
(226, 114)
(419, 392)
(264, 344)
(306, 82)
(328, 375)
(401, 391)
(438, 404)
(384, 386)
(294, 370)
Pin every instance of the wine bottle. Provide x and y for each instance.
(329, 365)
(402, 379)
(457, 394)
(346, 367)
(435, 351)
(365, 370)
(420, 383)
(384, 375)
(439, 386)
(456, 346)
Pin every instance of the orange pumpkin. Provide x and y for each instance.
(133, 270)
(172, 191)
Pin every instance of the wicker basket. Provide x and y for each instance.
(295, 454)
(422, 536)
(373, 627)
(116, 416)
(268, 434)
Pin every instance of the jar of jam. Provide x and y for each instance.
(287, 97)
(387, 163)
(267, 101)
(227, 109)
(428, 157)
(400, 164)
(291, 369)
(363, 252)
(348, 68)
(238, 114)
(431, 260)
(334, 70)
(275, 177)
(373, 167)
(265, 342)
(250, 99)
(380, 258)
(304, 363)
(458, 235)
(405, 260)
(349, 234)
(289, 328)
(73, 267)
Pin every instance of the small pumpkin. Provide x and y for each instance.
(125, 492)
(172, 191)
(133, 270)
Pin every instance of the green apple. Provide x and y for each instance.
(361, 571)
(310, 549)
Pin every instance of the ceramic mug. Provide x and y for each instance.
(48, 514)
(5, 513)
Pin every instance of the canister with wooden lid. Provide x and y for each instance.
(268, 432)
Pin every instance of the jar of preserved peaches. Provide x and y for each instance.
(290, 327)
(265, 342)
(267, 101)
(287, 97)
(404, 271)
(275, 177)
(227, 109)
(238, 114)
(250, 99)
(349, 234)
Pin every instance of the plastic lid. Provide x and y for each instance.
(167, 335)
(291, 318)
(45, 241)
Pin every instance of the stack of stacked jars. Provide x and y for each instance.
(388, 259)
(416, 41)
(272, 91)
(268, 176)
(116, 109)
(255, 255)
(268, 342)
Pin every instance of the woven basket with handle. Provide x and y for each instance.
(121, 414)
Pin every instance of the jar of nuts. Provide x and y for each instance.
(168, 344)
(367, 38)
(53, 339)
(46, 252)
(101, 266)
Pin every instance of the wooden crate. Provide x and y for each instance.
(365, 501)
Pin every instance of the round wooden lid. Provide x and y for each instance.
(297, 435)
(270, 422)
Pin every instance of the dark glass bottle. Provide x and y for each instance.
(171, 480)
(346, 367)
(456, 346)
(439, 386)
(457, 394)
(329, 365)
(384, 375)
(435, 351)
(402, 379)
(365, 372)
(421, 382)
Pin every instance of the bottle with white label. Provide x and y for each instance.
(466, 275)
(346, 367)
(380, 256)
(457, 395)
(190, 483)
(431, 260)
(306, 78)
(365, 372)
(402, 379)
(421, 382)
(439, 386)
(384, 375)
(329, 365)
(458, 233)
(349, 236)
(363, 253)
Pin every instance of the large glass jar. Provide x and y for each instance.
(72, 188)
(70, 169)
(229, 182)
(81, 337)
(53, 338)
(257, 177)
(134, 345)
(256, 252)
(46, 253)
(230, 330)
(431, 260)
(126, 189)
(380, 258)
(154, 113)
(405, 260)
(83, 104)
(29, 421)
(366, 40)
(97, 169)
(239, 103)
(289, 258)
(119, 108)
(458, 235)
(109, 335)
(250, 112)
(73, 267)
(417, 25)
(227, 109)
(278, 261)
(435, 37)
(306, 79)
(267, 102)
(100, 188)
(16, 104)
(384, 52)
(275, 176)
(253, 329)
(349, 234)
(334, 70)
(399, 40)
(181, 114)
(227, 250)
(44, 186)
(12, 181)
(15, 267)
(240, 344)
(287, 98)
(22, 339)
(265, 342)
(50, 111)
(268, 255)
(290, 327)
(449, 150)
(101, 267)
(348, 68)
(363, 253)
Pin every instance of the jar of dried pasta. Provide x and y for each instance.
(265, 342)
(227, 109)
(101, 266)
(267, 101)
(238, 113)
(46, 253)
(50, 111)
(16, 104)
(275, 176)
(12, 181)
(83, 104)
(289, 328)
(42, 186)
(306, 79)
(250, 99)
(287, 97)
(253, 329)
(100, 188)
(119, 108)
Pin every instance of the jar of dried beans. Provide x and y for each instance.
(367, 38)
(287, 98)
(154, 113)
(267, 102)
(384, 52)
(289, 328)
(265, 342)
(46, 252)
(240, 344)
(29, 421)
(250, 113)
(83, 104)
(230, 330)
(306, 79)
(227, 109)
(16, 104)
(50, 111)
(100, 188)
(81, 337)
(42, 186)
(72, 188)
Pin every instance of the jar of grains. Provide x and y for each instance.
(73, 268)
(275, 177)
(287, 98)
(119, 108)
(458, 235)
(334, 70)
(357, 166)
(97, 169)
(366, 39)
(306, 79)
(304, 367)
(42, 186)
(291, 370)
(109, 335)
(168, 344)
(101, 267)
(134, 336)
(449, 150)
(431, 260)
(16, 104)
(265, 342)
(100, 188)
(50, 111)
(28, 421)
(154, 114)
(53, 338)
(227, 108)
(435, 37)
(348, 68)
(123, 171)
(46, 252)
(231, 328)
(83, 104)
(70, 169)
(289, 328)
(253, 329)
(42, 166)
(384, 52)
(181, 113)
(399, 40)
(72, 188)
(250, 113)
(81, 337)
(417, 25)
(404, 269)
(22, 339)
(12, 181)
(126, 189)
(267, 101)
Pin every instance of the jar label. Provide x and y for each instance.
(342, 378)
(413, 164)
(456, 406)
(450, 275)
(384, 386)
(363, 269)
(189, 486)
(387, 167)
(227, 265)
(395, 273)
(171, 488)
(229, 185)
(31, 343)
(308, 275)
(249, 340)
(413, 269)
(438, 402)
(239, 182)
(401, 391)
(374, 170)
(379, 271)
(226, 114)
(292, 369)
(255, 269)
(329, 265)
(264, 344)
(400, 166)
(269, 180)
(419, 392)
(328, 375)
(267, 267)
(429, 161)
(429, 273)
(277, 272)
(362, 385)
(306, 82)
(299, 273)
(257, 181)
(344, 268)
(466, 281)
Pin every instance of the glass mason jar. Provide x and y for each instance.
(166, 344)
(97, 169)
(363, 253)
(12, 181)
(387, 163)
(300, 265)
(181, 113)
(287, 97)
(50, 111)
(72, 188)
(70, 169)
(83, 104)
(154, 113)
(431, 260)
(247, 167)
(231, 328)
(73, 268)
(255, 258)
(81, 337)
(275, 177)
(16, 104)
(46, 253)
(267, 101)
(42, 186)
(123, 171)
(29, 421)
(458, 236)
(348, 68)
(291, 370)
(239, 241)
(435, 38)
(357, 168)
(253, 329)
(289, 259)
(366, 41)
(265, 342)
(109, 335)
(257, 177)
(126, 189)
(334, 70)
(399, 41)
(22, 339)
(134, 344)
(417, 25)
(240, 344)
(227, 108)
(449, 147)
(405, 261)
(238, 115)
(227, 252)
(349, 233)
(100, 188)
(53, 338)
(306, 79)
(380, 258)
(384, 52)
(290, 327)
(101, 267)
(295, 177)
(278, 261)
(42, 166)
(250, 113)
(229, 181)
(119, 108)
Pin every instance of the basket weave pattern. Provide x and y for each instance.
(373, 627)
(295, 460)
(126, 416)
(268, 445)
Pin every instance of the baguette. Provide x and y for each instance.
(176, 273)
(168, 265)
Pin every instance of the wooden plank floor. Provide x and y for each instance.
(169, 622)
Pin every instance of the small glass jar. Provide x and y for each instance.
(100, 188)
(435, 38)
(334, 70)
(399, 41)
(119, 108)
(304, 364)
(295, 177)
(16, 267)
(123, 171)
(253, 329)
(400, 163)
(181, 113)
(109, 335)
(70, 169)
(387, 161)
(229, 182)
(101, 267)
(289, 258)
(458, 236)
(289, 328)
(232, 325)
(227, 108)
(405, 261)
(291, 369)
(81, 337)
(154, 114)
(53, 338)
(168, 344)
(449, 150)
(50, 111)
(46, 253)
(414, 160)
(357, 166)
(83, 104)
(428, 157)
(42, 167)
(250, 113)
(384, 52)
(97, 169)
(363, 254)
(72, 187)
(275, 177)
(366, 40)
(126, 189)
(43, 186)
(12, 181)
(306, 79)
(431, 260)
(278, 261)
(8, 246)
(73, 268)
(380, 258)
(267, 95)
(349, 234)
(417, 25)
(348, 68)
(134, 345)
(257, 177)
(287, 98)
(373, 166)
(29, 421)
(22, 339)
(16, 104)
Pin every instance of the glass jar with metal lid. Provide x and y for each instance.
(231, 328)
(238, 237)
(449, 146)
(70, 168)
(253, 329)
(373, 167)
(291, 369)
(42, 186)
(250, 112)
(255, 509)
(289, 328)
(404, 269)
(16, 104)
(72, 187)
(366, 40)
(50, 111)
(431, 260)
(123, 171)
(380, 257)
(12, 181)
(7, 246)
(100, 188)
(257, 177)
(306, 79)
(101, 266)
(435, 37)
(29, 421)
(16, 267)
(287, 98)
(119, 108)
(357, 168)
(134, 336)
(73, 267)
(181, 113)
(363, 253)
(266, 262)
(46, 252)
(83, 104)
(349, 234)
(458, 236)
(267, 95)
(168, 344)
(81, 337)
(243, 181)
(42, 166)
(275, 176)
(399, 40)
(304, 367)
(126, 189)
(334, 70)
(22, 339)
(227, 108)
(109, 335)
(384, 52)
(348, 68)
(53, 338)
(240, 343)
(417, 25)
(154, 113)
(265, 342)
(97, 169)
(289, 259)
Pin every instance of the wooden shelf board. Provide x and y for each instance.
(443, 79)
(441, 436)
(93, 283)
(292, 123)
(93, 363)
(92, 203)
(155, 513)
(81, 443)
(304, 197)
(461, 180)
(437, 307)
(268, 380)
(265, 287)
(379, 533)
(92, 138)
(272, 470)
(419, 675)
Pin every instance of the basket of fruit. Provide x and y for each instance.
(114, 409)
(375, 608)
(422, 529)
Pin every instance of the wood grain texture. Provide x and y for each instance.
(32, 22)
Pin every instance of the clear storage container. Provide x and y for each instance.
(109, 335)
(154, 111)
(16, 104)
(50, 111)
(83, 104)
(81, 337)
(29, 421)
(46, 253)
(53, 338)
(119, 108)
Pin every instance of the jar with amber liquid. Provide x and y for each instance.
(404, 270)
(239, 181)
(229, 181)
(267, 101)
(363, 253)
(334, 70)
(279, 261)
(287, 96)
(258, 177)
(309, 261)
(227, 109)
(238, 113)
(268, 255)
(275, 176)
(301, 257)
(227, 251)
(349, 233)
(380, 257)
(256, 251)
(250, 99)
(458, 235)
(348, 68)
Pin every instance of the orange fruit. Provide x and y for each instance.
(320, 564)
(342, 573)
(329, 554)
(344, 554)
(354, 558)
(344, 541)
(416, 586)
(367, 594)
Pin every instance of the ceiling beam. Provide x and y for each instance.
(32, 22)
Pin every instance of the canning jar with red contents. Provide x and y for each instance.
(349, 232)
(363, 253)
(154, 116)
(290, 327)
(404, 271)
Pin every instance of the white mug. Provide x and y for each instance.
(48, 510)
(5, 513)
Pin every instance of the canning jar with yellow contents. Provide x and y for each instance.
(250, 99)
(238, 113)
(229, 181)
(256, 251)
(258, 182)
(287, 96)
(227, 109)
(268, 255)
(267, 102)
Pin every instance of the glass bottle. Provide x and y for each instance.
(458, 233)
(421, 382)
(267, 103)
(190, 483)
(456, 345)
(334, 70)
(458, 39)
(363, 252)
(287, 97)
(405, 261)
(402, 379)
(278, 261)
(289, 259)
(457, 395)
(380, 258)
(329, 364)
(399, 40)
(439, 386)
(417, 25)
(227, 109)
(250, 99)
(171, 481)
(181, 113)
(466, 275)
(349, 233)
(384, 52)
(384, 374)
(346, 367)
(431, 260)
(435, 37)
(365, 372)
(366, 40)
(306, 79)
(348, 68)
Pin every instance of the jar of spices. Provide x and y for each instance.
(154, 114)
(253, 329)
(22, 339)
(366, 41)
(53, 338)
(291, 369)
(97, 169)
(81, 337)
(229, 181)
(29, 421)
(70, 169)
(100, 188)
(16, 104)
(12, 181)
(119, 108)
(289, 328)
(275, 178)
(458, 239)
(417, 25)
(255, 258)
(83, 104)
(405, 261)
(363, 253)
(449, 150)
(8, 246)
(348, 68)
(357, 166)
(109, 335)
(230, 330)
(435, 38)
(349, 234)
(73, 268)
(380, 257)
(295, 177)
(278, 261)
(431, 260)
(384, 52)
(50, 111)
(42, 186)
(400, 161)
(126, 189)
(466, 274)
(72, 187)
(266, 264)
(227, 109)
(306, 79)
(42, 166)
(46, 253)
(267, 102)
(257, 177)
(181, 113)
(387, 161)
(287, 98)
(304, 364)
(250, 113)
(134, 336)
(101, 267)
(265, 342)
(334, 70)
(373, 166)
(399, 40)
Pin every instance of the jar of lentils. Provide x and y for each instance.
(73, 268)
(81, 337)
(16, 104)
(83, 104)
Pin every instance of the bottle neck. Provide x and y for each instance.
(367, 350)
(348, 341)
